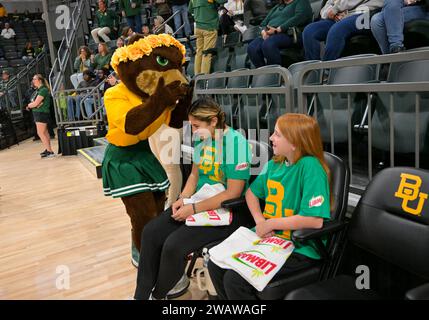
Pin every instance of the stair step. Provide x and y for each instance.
(92, 158)
(100, 142)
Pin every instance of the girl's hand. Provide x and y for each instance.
(177, 205)
(264, 229)
(183, 213)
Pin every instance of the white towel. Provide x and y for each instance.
(212, 218)
(256, 260)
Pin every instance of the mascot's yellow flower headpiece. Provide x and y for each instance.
(144, 46)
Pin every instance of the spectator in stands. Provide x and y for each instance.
(338, 23)
(166, 240)
(28, 52)
(127, 33)
(106, 21)
(159, 28)
(181, 18)
(10, 93)
(207, 23)
(296, 176)
(229, 16)
(81, 63)
(131, 10)
(387, 26)
(41, 113)
(3, 12)
(163, 10)
(254, 9)
(74, 101)
(40, 47)
(102, 58)
(8, 32)
(146, 30)
(274, 36)
(120, 42)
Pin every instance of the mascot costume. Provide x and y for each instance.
(152, 92)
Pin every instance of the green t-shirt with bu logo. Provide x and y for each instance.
(45, 106)
(290, 189)
(219, 162)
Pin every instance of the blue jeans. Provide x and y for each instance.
(73, 108)
(89, 107)
(260, 50)
(335, 35)
(135, 23)
(180, 18)
(387, 26)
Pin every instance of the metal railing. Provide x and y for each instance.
(358, 149)
(14, 97)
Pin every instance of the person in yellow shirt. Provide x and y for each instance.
(3, 12)
(152, 92)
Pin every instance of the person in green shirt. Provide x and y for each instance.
(106, 22)
(131, 10)
(296, 191)
(275, 33)
(41, 113)
(102, 58)
(206, 16)
(222, 155)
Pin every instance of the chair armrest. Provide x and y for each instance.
(310, 234)
(212, 51)
(419, 293)
(234, 203)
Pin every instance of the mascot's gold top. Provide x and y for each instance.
(144, 67)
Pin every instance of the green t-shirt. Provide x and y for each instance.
(301, 188)
(45, 107)
(217, 163)
(102, 61)
(205, 13)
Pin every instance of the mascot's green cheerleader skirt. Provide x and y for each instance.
(131, 170)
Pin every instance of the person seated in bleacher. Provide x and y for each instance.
(339, 22)
(8, 32)
(10, 93)
(28, 53)
(120, 42)
(74, 100)
(158, 28)
(40, 47)
(206, 20)
(81, 64)
(221, 156)
(3, 12)
(229, 17)
(127, 33)
(102, 58)
(146, 30)
(106, 21)
(387, 26)
(295, 187)
(274, 36)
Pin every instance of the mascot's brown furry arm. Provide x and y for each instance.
(153, 91)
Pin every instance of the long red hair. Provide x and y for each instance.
(304, 133)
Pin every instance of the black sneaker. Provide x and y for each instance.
(47, 154)
(397, 49)
(43, 152)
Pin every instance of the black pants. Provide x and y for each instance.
(230, 285)
(165, 246)
(226, 24)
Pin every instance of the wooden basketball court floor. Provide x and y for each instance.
(60, 237)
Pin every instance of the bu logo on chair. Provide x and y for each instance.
(409, 191)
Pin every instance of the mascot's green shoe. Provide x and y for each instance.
(135, 256)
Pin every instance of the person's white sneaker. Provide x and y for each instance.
(242, 28)
(180, 288)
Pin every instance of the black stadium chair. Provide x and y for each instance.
(387, 251)
(404, 110)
